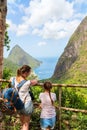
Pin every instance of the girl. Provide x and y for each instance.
(48, 113)
(22, 74)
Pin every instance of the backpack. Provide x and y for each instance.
(11, 96)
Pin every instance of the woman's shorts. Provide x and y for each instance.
(47, 122)
(28, 109)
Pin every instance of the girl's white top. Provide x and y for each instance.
(24, 90)
(48, 110)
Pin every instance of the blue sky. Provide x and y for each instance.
(43, 27)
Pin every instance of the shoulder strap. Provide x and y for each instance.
(13, 82)
(21, 84)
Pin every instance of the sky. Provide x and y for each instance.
(43, 28)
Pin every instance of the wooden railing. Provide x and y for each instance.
(60, 108)
(60, 97)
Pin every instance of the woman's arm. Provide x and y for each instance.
(33, 82)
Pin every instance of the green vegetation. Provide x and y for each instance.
(16, 59)
(74, 121)
(12, 67)
(71, 97)
(77, 74)
(7, 39)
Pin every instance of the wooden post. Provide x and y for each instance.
(59, 109)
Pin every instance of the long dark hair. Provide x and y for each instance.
(48, 86)
(23, 69)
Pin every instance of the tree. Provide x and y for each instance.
(3, 13)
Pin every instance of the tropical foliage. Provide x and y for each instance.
(7, 39)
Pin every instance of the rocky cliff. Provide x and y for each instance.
(73, 52)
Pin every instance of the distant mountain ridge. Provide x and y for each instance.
(72, 64)
(19, 57)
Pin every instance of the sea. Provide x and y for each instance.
(46, 68)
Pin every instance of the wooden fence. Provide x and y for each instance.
(60, 108)
(60, 97)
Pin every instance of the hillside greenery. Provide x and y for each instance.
(16, 59)
(70, 98)
(77, 74)
(11, 67)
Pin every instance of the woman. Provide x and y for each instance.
(22, 74)
(48, 113)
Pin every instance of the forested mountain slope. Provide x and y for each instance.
(72, 64)
(19, 57)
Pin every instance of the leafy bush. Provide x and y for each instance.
(71, 98)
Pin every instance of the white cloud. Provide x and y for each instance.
(39, 12)
(40, 15)
(48, 18)
(42, 43)
(22, 29)
(57, 29)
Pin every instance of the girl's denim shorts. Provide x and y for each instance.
(47, 122)
(28, 108)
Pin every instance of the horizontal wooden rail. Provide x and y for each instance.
(4, 80)
(63, 108)
(66, 85)
(55, 84)
(60, 108)
(74, 110)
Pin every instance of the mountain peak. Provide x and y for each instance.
(17, 46)
(18, 56)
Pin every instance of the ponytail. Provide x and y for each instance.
(48, 86)
(18, 72)
(50, 97)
